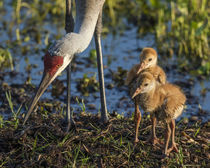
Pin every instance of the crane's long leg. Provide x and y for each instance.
(98, 29)
(69, 112)
(69, 28)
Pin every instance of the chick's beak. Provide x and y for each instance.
(138, 90)
(142, 66)
(46, 80)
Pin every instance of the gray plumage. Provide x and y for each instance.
(87, 12)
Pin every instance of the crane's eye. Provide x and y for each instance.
(146, 84)
(58, 65)
(150, 59)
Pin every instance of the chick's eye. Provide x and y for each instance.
(146, 84)
(150, 59)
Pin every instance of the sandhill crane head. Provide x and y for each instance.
(148, 58)
(145, 83)
(52, 63)
(53, 66)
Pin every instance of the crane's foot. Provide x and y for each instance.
(104, 119)
(154, 140)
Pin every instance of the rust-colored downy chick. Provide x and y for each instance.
(148, 59)
(148, 63)
(165, 102)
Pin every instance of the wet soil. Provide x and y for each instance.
(43, 142)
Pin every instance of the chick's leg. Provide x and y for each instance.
(137, 119)
(173, 144)
(153, 138)
(167, 138)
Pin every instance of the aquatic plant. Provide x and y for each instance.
(82, 104)
(6, 59)
(87, 84)
(183, 27)
(93, 57)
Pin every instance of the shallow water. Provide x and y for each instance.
(123, 51)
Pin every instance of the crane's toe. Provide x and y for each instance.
(105, 119)
(71, 124)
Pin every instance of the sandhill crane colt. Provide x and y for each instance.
(148, 63)
(166, 102)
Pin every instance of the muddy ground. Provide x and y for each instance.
(43, 142)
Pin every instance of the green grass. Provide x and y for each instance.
(42, 142)
(82, 104)
(15, 115)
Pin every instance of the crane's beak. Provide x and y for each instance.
(46, 80)
(138, 90)
(142, 66)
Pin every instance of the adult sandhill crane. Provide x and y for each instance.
(61, 53)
